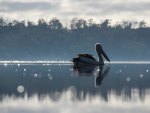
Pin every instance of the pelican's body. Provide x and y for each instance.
(87, 59)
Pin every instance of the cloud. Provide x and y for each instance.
(26, 6)
(67, 9)
(118, 6)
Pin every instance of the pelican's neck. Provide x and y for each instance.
(100, 58)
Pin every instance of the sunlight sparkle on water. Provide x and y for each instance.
(71, 69)
(120, 70)
(5, 64)
(69, 62)
(128, 79)
(50, 76)
(35, 75)
(20, 89)
(141, 75)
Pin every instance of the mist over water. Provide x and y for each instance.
(64, 88)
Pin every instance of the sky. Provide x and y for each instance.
(66, 10)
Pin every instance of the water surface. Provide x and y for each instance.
(63, 88)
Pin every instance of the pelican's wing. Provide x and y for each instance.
(87, 56)
(87, 60)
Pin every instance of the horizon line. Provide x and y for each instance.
(66, 62)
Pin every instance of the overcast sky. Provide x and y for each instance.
(65, 10)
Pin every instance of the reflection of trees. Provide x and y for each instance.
(51, 40)
(80, 87)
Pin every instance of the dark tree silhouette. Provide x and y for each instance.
(21, 40)
(55, 24)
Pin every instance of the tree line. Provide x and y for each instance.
(25, 40)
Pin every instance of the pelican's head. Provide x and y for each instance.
(98, 47)
(100, 51)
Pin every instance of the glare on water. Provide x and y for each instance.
(60, 87)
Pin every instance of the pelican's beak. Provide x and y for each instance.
(104, 54)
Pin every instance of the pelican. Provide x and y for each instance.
(87, 59)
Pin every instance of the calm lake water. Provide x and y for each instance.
(54, 88)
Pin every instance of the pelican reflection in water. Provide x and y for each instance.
(101, 75)
(91, 70)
